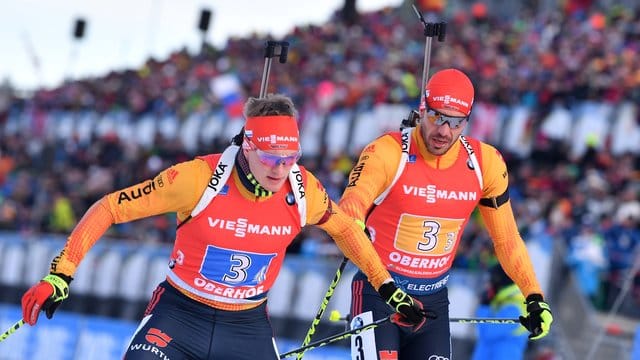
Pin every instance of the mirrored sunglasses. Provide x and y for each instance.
(439, 119)
(272, 160)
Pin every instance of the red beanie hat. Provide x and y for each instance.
(449, 89)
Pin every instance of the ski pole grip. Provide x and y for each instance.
(284, 51)
(429, 29)
(442, 31)
(269, 48)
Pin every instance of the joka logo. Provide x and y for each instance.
(158, 338)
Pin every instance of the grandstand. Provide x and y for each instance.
(557, 91)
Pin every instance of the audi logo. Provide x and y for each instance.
(437, 357)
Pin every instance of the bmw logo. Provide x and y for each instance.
(470, 164)
(291, 200)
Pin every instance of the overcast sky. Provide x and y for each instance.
(38, 49)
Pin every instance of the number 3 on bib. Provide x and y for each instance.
(419, 235)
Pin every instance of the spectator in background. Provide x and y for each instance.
(62, 218)
(237, 213)
(621, 243)
(6, 164)
(635, 351)
(587, 260)
(501, 298)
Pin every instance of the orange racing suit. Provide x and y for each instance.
(417, 228)
(415, 206)
(235, 224)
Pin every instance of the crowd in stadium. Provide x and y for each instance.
(581, 64)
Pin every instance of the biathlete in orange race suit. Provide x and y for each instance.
(237, 213)
(415, 190)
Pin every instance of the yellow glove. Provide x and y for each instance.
(539, 318)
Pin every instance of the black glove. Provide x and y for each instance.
(539, 318)
(409, 311)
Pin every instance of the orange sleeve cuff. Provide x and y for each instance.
(510, 249)
(91, 227)
(354, 207)
(355, 245)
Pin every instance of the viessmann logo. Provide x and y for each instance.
(432, 193)
(274, 139)
(241, 227)
(447, 99)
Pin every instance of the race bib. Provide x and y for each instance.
(235, 268)
(363, 345)
(419, 235)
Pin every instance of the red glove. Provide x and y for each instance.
(45, 295)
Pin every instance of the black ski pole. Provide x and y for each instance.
(270, 52)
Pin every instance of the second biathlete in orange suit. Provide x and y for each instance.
(415, 191)
(237, 213)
